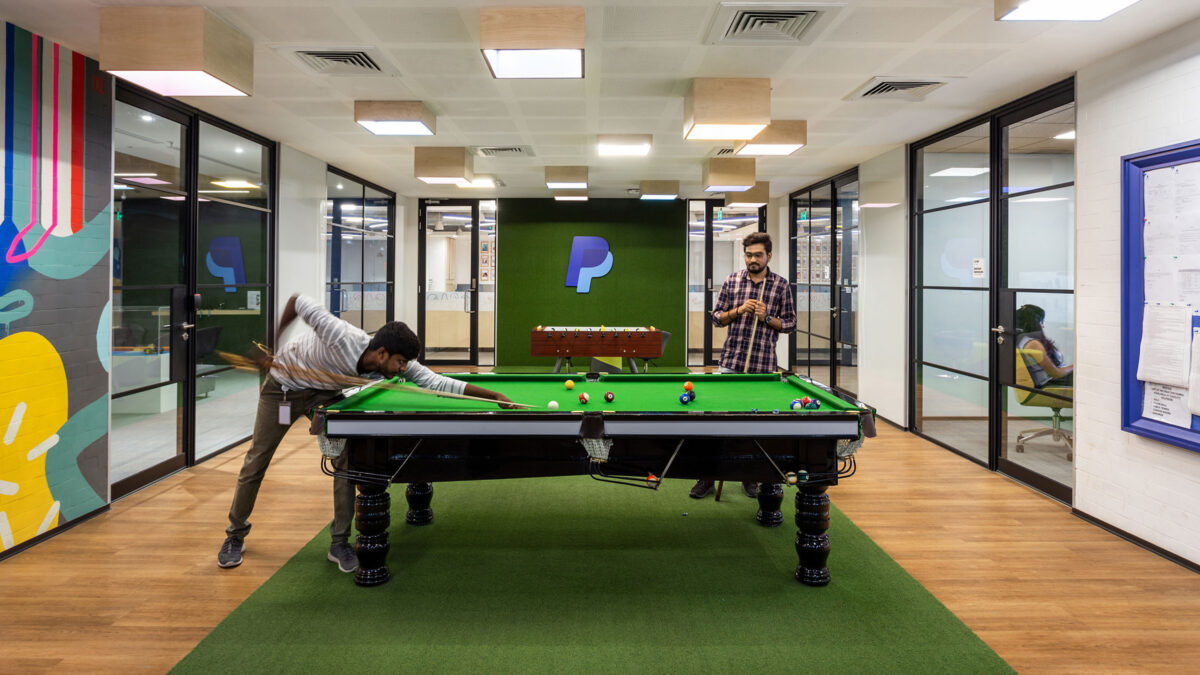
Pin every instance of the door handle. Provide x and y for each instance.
(185, 327)
(999, 331)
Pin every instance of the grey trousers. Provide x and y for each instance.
(268, 432)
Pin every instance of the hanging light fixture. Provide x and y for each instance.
(660, 190)
(570, 195)
(443, 166)
(726, 108)
(567, 177)
(532, 42)
(176, 51)
(395, 118)
(728, 174)
(753, 198)
(781, 137)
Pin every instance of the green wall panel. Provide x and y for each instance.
(647, 285)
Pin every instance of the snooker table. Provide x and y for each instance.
(738, 428)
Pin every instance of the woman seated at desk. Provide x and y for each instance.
(1041, 356)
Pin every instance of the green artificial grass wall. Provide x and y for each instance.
(647, 285)
(568, 574)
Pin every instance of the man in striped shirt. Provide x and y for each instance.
(756, 304)
(311, 371)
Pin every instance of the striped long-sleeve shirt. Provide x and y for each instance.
(334, 347)
(777, 295)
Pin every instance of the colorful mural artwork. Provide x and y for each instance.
(55, 319)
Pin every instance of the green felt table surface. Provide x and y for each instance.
(632, 393)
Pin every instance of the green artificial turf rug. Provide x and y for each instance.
(569, 574)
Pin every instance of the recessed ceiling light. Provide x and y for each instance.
(626, 145)
(443, 166)
(570, 195)
(147, 118)
(238, 150)
(1042, 199)
(959, 172)
(1058, 10)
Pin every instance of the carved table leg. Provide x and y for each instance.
(812, 542)
(419, 496)
(372, 516)
(770, 497)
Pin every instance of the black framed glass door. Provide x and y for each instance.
(360, 250)
(824, 237)
(992, 301)
(192, 275)
(449, 279)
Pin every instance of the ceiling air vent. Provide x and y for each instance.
(903, 89)
(504, 151)
(747, 23)
(338, 61)
(721, 152)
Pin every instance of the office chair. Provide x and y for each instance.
(1040, 399)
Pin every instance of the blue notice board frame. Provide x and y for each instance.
(1133, 292)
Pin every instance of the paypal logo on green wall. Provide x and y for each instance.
(590, 259)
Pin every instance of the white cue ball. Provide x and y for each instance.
(553, 405)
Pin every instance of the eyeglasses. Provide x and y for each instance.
(755, 256)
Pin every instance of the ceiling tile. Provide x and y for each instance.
(567, 107)
(316, 25)
(981, 27)
(680, 23)
(399, 25)
(745, 61)
(322, 108)
(458, 87)
(633, 107)
(457, 61)
(809, 87)
(546, 88)
(887, 24)
(469, 124)
(638, 60)
(560, 124)
(642, 86)
(943, 62)
(838, 60)
(492, 107)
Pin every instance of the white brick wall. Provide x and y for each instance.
(1145, 97)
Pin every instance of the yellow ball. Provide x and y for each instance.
(570, 384)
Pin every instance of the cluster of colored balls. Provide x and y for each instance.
(688, 395)
(806, 402)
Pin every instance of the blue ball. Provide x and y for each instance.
(684, 398)
(796, 404)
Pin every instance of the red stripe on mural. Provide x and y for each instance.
(78, 97)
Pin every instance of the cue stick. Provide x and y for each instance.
(754, 329)
(243, 363)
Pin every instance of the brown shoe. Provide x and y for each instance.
(702, 489)
(751, 489)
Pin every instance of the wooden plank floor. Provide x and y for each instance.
(136, 588)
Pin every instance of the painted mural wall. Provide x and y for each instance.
(55, 285)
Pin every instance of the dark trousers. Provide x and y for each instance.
(268, 432)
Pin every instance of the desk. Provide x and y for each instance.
(565, 342)
(644, 435)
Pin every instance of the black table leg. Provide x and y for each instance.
(770, 497)
(372, 516)
(812, 542)
(419, 496)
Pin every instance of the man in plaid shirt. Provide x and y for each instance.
(737, 307)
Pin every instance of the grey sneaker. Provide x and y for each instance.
(343, 555)
(231, 552)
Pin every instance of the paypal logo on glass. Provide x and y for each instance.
(590, 259)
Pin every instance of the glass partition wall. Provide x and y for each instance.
(824, 237)
(360, 251)
(192, 241)
(993, 271)
(457, 289)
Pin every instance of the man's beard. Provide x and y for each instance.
(754, 267)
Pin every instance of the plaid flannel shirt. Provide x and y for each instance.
(737, 289)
